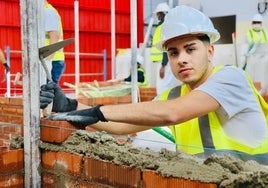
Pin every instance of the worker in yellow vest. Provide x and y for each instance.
(217, 110)
(53, 34)
(164, 77)
(142, 79)
(253, 37)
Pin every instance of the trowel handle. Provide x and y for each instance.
(47, 111)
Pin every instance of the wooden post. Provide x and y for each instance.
(30, 16)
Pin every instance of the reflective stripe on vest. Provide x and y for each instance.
(59, 55)
(203, 136)
(156, 54)
(253, 36)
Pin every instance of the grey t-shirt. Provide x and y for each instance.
(240, 114)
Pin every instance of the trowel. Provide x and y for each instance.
(44, 52)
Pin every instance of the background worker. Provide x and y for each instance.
(53, 34)
(164, 76)
(215, 110)
(141, 77)
(3, 61)
(253, 37)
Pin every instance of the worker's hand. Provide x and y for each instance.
(162, 72)
(80, 118)
(51, 92)
(6, 67)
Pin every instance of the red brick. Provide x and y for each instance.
(153, 180)
(108, 173)
(16, 102)
(4, 118)
(48, 180)
(9, 110)
(11, 160)
(62, 161)
(86, 184)
(16, 120)
(55, 131)
(4, 101)
(13, 181)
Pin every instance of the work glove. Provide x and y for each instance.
(51, 92)
(80, 118)
(6, 67)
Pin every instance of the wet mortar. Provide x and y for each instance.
(225, 171)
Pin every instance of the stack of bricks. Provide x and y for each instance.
(11, 119)
(123, 99)
(145, 94)
(11, 160)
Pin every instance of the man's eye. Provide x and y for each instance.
(173, 53)
(190, 50)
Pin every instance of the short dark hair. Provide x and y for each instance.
(204, 38)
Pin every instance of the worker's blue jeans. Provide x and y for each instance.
(58, 68)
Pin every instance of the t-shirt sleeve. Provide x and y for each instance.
(229, 86)
(51, 20)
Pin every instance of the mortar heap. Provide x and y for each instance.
(225, 171)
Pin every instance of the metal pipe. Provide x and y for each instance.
(134, 73)
(76, 31)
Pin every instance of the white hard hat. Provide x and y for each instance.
(140, 59)
(162, 7)
(257, 18)
(183, 20)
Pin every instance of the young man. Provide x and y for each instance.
(216, 110)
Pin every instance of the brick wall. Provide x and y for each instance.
(11, 119)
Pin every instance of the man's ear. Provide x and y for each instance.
(210, 52)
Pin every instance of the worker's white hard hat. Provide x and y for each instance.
(257, 18)
(183, 20)
(162, 7)
(140, 59)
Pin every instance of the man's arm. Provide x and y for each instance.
(3, 60)
(162, 113)
(136, 116)
(54, 37)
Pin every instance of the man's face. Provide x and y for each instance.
(160, 16)
(257, 26)
(190, 59)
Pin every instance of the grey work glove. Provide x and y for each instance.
(80, 118)
(51, 92)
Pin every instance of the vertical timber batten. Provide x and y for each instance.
(29, 11)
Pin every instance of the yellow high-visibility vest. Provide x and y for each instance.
(204, 135)
(156, 54)
(145, 83)
(253, 36)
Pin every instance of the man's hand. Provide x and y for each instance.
(51, 92)
(80, 118)
(6, 67)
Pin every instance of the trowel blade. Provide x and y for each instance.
(50, 49)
